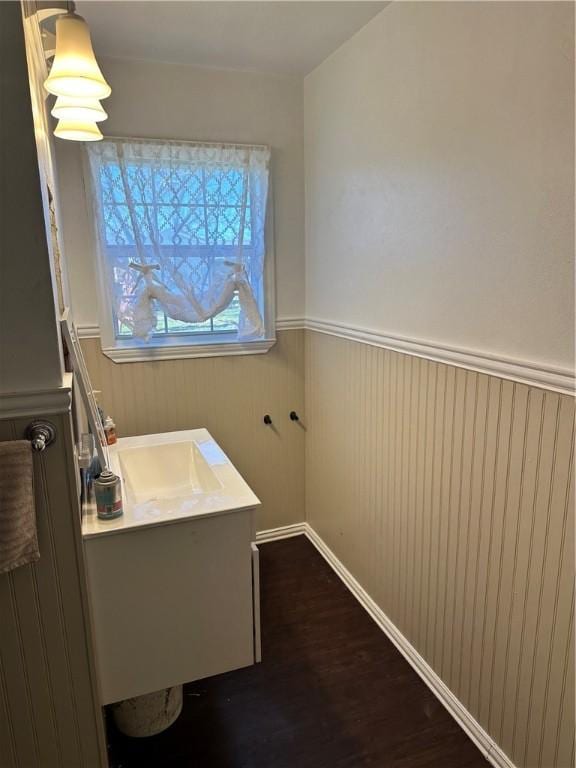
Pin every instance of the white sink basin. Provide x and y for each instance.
(170, 477)
(165, 471)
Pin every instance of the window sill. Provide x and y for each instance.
(141, 354)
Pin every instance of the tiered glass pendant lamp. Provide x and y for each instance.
(76, 79)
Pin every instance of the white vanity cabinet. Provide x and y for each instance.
(173, 593)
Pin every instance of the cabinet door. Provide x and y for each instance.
(256, 602)
(171, 603)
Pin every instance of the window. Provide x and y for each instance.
(181, 248)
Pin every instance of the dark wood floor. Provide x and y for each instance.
(332, 691)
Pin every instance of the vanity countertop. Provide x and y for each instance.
(168, 478)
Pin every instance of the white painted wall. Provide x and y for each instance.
(439, 178)
(156, 100)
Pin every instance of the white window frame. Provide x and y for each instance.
(184, 345)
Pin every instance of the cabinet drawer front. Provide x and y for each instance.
(171, 603)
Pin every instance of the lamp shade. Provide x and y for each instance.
(77, 130)
(75, 71)
(76, 108)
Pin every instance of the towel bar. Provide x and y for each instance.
(41, 434)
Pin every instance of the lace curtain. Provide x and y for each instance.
(181, 231)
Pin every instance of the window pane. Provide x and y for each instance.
(177, 326)
(187, 219)
(228, 319)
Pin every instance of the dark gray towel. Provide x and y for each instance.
(18, 535)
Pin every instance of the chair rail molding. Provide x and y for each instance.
(88, 331)
(37, 402)
(556, 379)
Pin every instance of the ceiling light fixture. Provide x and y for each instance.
(77, 130)
(75, 77)
(75, 71)
(75, 108)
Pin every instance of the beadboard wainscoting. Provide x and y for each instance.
(229, 396)
(448, 495)
(49, 714)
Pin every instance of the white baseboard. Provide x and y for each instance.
(284, 532)
(485, 744)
